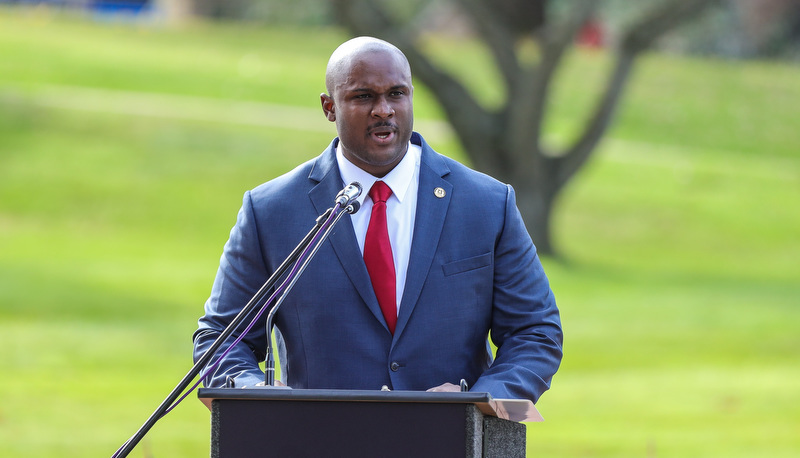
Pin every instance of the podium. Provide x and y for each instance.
(263, 422)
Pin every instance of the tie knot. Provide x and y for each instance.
(380, 191)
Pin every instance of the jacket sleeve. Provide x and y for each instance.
(241, 274)
(526, 327)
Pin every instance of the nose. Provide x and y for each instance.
(382, 108)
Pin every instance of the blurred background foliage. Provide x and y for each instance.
(129, 133)
(733, 28)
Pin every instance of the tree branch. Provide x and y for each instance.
(497, 36)
(527, 101)
(639, 37)
(659, 20)
(570, 162)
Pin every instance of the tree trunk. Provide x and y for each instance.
(536, 206)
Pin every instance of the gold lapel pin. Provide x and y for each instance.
(439, 192)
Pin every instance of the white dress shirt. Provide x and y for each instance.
(401, 208)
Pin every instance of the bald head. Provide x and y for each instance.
(352, 51)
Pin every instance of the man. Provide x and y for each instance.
(464, 266)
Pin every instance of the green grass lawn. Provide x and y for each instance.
(125, 150)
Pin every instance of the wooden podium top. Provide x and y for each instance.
(508, 409)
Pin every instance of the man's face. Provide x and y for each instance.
(373, 110)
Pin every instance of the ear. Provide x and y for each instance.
(328, 107)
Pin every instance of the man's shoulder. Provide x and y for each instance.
(286, 182)
(298, 180)
(462, 171)
(460, 174)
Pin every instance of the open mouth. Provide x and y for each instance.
(382, 134)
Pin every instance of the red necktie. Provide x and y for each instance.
(378, 255)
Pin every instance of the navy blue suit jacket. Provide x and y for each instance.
(473, 272)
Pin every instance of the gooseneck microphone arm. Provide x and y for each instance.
(349, 205)
(269, 373)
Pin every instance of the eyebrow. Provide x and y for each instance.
(366, 89)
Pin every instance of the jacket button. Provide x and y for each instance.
(394, 366)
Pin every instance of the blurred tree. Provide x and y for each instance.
(751, 29)
(305, 12)
(220, 9)
(506, 141)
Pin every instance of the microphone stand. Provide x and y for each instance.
(168, 403)
(269, 373)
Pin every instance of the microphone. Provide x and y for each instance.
(352, 208)
(349, 194)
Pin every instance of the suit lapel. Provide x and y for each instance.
(343, 239)
(431, 211)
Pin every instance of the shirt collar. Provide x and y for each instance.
(399, 179)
